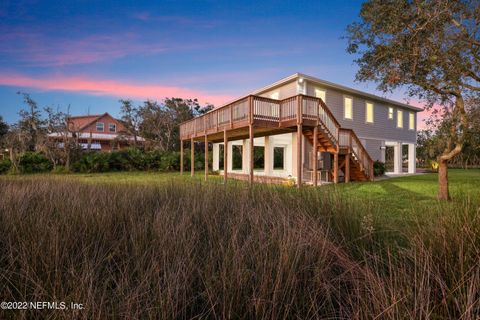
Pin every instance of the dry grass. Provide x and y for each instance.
(181, 250)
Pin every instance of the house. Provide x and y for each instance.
(100, 132)
(306, 129)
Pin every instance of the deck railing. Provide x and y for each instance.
(348, 139)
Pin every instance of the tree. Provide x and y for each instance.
(429, 48)
(3, 128)
(159, 123)
(130, 117)
(30, 122)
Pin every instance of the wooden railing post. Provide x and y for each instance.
(251, 140)
(335, 167)
(347, 166)
(206, 157)
(225, 156)
(315, 155)
(299, 140)
(192, 157)
(181, 156)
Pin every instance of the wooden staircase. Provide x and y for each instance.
(353, 159)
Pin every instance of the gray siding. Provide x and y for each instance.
(382, 128)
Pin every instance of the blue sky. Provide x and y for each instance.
(89, 54)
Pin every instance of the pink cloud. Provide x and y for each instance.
(38, 50)
(121, 89)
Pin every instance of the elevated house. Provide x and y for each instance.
(309, 130)
(100, 132)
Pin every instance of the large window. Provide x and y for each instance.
(258, 157)
(411, 121)
(237, 157)
(369, 112)
(347, 108)
(278, 158)
(322, 94)
(390, 113)
(100, 126)
(399, 119)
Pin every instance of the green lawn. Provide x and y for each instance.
(392, 195)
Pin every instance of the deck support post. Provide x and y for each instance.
(299, 140)
(181, 156)
(315, 155)
(335, 167)
(225, 156)
(192, 157)
(206, 157)
(250, 154)
(250, 133)
(347, 167)
(299, 155)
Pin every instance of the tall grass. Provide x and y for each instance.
(182, 250)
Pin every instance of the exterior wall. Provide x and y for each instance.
(106, 119)
(382, 128)
(287, 90)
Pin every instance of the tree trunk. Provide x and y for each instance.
(443, 193)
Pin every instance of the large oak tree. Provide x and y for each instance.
(429, 48)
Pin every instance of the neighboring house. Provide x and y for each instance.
(98, 132)
(296, 115)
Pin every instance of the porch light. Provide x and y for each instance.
(300, 80)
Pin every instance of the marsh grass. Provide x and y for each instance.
(184, 249)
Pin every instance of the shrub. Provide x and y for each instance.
(5, 166)
(32, 162)
(378, 168)
(92, 162)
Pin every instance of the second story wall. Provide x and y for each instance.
(107, 121)
(381, 126)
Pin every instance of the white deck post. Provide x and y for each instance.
(412, 158)
(268, 155)
(216, 157)
(397, 158)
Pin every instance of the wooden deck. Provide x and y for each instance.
(255, 116)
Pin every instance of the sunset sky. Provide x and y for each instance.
(88, 54)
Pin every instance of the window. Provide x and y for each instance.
(411, 121)
(100, 126)
(112, 127)
(278, 158)
(275, 95)
(399, 119)
(369, 112)
(390, 113)
(322, 94)
(347, 108)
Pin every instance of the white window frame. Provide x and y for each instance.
(345, 106)
(321, 93)
(390, 114)
(400, 118)
(110, 127)
(411, 120)
(102, 125)
(366, 112)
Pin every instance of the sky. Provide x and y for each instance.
(86, 55)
